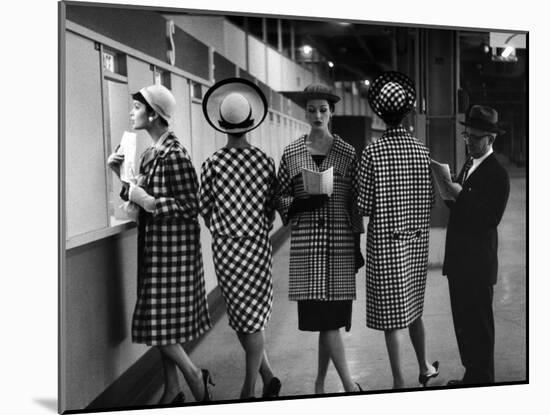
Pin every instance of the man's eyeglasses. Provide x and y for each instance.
(467, 136)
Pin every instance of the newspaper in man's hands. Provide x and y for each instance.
(127, 148)
(444, 183)
(318, 183)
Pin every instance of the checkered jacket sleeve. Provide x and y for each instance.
(366, 184)
(283, 196)
(271, 206)
(355, 216)
(206, 195)
(432, 187)
(181, 199)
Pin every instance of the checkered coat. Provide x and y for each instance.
(171, 305)
(237, 190)
(396, 192)
(322, 260)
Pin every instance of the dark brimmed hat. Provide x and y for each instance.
(392, 95)
(317, 91)
(234, 106)
(483, 118)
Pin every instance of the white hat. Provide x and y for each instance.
(234, 106)
(160, 99)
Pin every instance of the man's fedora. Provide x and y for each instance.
(483, 118)
(234, 106)
(392, 95)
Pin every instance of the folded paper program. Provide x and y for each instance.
(318, 183)
(128, 149)
(444, 183)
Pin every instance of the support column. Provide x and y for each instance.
(440, 77)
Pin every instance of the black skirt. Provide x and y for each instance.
(316, 315)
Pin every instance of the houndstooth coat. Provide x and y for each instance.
(322, 260)
(171, 305)
(396, 192)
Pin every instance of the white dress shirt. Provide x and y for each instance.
(478, 161)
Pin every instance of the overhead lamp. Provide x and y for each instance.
(366, 82)
(509, 48)
(306, 50)
(505, 45)
(330, 64)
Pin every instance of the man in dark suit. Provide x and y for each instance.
(471, 261)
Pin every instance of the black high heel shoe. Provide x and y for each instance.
(178, 399)
(273, 388)
(207, 380)
(424, 379)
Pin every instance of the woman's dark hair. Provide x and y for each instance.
(139, 97)
(393, 120)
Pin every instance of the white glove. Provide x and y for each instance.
(140, 197)
(114, 161)
(132, 210)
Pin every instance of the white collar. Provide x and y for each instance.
(478, 161)
(161, 139)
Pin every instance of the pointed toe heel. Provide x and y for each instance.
(178, 399)
(273, 388)
(207, 381)
(424, 379)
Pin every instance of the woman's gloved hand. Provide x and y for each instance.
(139, 196)
(359, 260)
(114, 161)
(308, 204)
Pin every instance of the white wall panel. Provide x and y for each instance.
(182, 123)
(274, 69)
(86, 192)
(208, 29)
(257, 58)
(235, 44)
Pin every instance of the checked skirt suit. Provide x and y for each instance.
(322, 247)
(171, 305)
(237, 190)
(396, 192)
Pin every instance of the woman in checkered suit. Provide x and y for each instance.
(236, 201)
(171, 306)
(324, 256)
(396, 193)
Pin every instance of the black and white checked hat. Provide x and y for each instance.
(392, 94)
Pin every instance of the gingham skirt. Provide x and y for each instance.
(243, 269)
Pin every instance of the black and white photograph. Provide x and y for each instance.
(280, 209)
(327, 199)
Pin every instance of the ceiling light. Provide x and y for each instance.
(507, 51)
(306, 50)
(330, 64)
(366, 82)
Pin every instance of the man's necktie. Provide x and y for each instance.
(467, 168)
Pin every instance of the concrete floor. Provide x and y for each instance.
(293, 354)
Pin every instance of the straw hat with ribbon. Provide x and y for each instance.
(234, 106)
